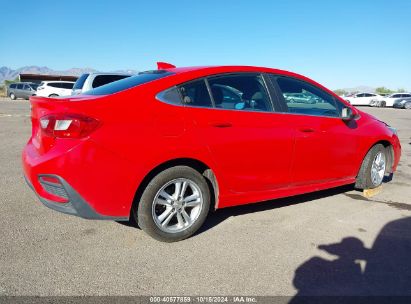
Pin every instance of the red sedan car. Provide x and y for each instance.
(166, 146)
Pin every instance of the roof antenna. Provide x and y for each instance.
(164, 65)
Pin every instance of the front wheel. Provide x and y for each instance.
(53, 95)
(373, 168)
(407, 105)
(12, 96)
(174, 205)
(382, 104)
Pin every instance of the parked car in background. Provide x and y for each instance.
(402, 103)
(304, 97)
(89, 81)
(21, 90)
(363, 99)
(170, 145)
(55, 88)
(389, 100)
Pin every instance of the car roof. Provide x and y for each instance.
(202, 71)
(59, 81)
(108, 73)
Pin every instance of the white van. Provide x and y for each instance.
(54, 88)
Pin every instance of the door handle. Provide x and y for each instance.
(307, 129)
(221, 124)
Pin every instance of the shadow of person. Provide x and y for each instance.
(342, 276)
(387, 269)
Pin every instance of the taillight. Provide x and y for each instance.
(68, 125)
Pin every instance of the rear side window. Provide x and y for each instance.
(105, 79)
(240, 92)
(171, 96)
(129, 82)
(304, 98)
(54, 85)
(13, 86)
(67, 85)
(196, 94)
(80, 82)
(19, 86)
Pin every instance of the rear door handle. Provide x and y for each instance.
(221, 124)
(307, 129)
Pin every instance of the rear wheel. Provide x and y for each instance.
(174, 205)
(382, 104)
(373, 168)
(12, 96)
(53, 95)
(407, 105)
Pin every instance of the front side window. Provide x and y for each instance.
(304, 98)
(239, 92)
(195, 94)
(19, 86)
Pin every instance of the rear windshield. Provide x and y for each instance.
(80, 82)
(101, 80)
(129, 82)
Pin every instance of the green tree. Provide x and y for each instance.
(383, 90)
(7, 82)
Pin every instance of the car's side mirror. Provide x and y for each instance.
(349, 113)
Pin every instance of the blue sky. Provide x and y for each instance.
(338, 43)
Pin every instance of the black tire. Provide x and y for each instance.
(53, 95)
(12, 96)
(407, 105)
(364, 180)
(382, 104)
(143, 214)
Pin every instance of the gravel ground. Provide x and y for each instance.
(272, 248)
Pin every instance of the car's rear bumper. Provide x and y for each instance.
(93, 183)
(75, 204)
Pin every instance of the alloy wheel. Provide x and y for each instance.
(177, 205)
(378, 168)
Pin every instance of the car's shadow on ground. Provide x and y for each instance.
(221, 215)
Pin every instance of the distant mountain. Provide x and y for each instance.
(9, 74)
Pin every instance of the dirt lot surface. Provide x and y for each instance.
(333, 241)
